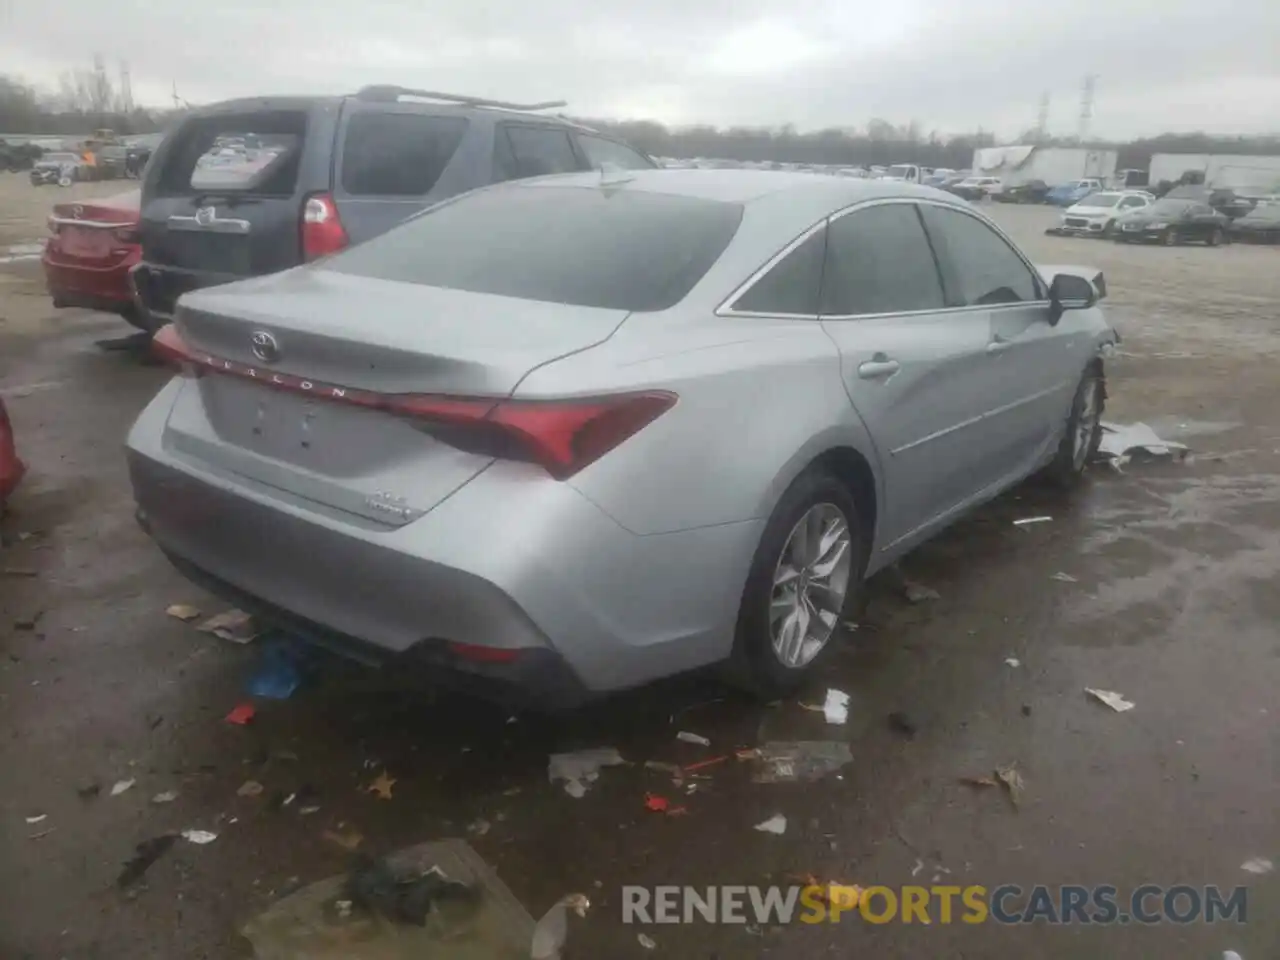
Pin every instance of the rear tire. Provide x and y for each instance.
(797, 594)
(1215, 238)
(1083, 432)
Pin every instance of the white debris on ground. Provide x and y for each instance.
(1120, 441)
(836, 706)
(581, 768)
(777, 825)
(1112, 699)
(1258, 865)
(199, 836)
(687, 737)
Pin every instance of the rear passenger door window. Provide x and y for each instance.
(979, 266)
(397, 154)
(533, 152)
(791, 287)
(600, 152)
(879, 261)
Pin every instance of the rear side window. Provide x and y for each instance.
(253, 153)
(600, 152)
(980, 267)
(792, 285)
(879, 261)
(573, 245)
(534, 152)
(398, 154)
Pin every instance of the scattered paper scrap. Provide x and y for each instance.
(1064, 577)
(250, 788)
(836, 706)
(1112, 699)
(979, 781)
(479, 827)
(347, 839)
(242, 714)
(777, 825)
(1258, 865)
(120, 786)
(581, 768)
(233, 625)
(199, 836)
(38, 819)
(1013, 782)
(1013, 661)
(183, 612)
(167, 797)
(1120, 441)
(1027, 521)
(381, 786)
(687, 737)
(646, 941)
(919, 593)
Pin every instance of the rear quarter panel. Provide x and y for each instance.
(759, 399)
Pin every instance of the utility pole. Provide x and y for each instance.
(126, 89)
(1042, 118)
(1086, 106)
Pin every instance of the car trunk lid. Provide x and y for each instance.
(95, 233)
(298, 376)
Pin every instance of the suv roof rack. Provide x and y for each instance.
(389, 93)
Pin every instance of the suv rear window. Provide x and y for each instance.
(574, 245)
(256, 153)
(398, 154)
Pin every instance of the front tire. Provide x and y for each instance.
(1215, 238)
(804, 580)
(1170, 237)
(1083, 433)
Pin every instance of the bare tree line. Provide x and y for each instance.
(91, 96)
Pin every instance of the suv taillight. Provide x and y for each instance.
(322, 232)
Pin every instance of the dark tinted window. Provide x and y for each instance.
(583, 246)
(792, 285)
(534, 152)
(879, 261)
(255, 153)
(398, 154)
(978, 264)
(600, 151)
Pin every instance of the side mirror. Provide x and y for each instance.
(1069, 292)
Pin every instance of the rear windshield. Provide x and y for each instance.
(254, 153)
(575, 245)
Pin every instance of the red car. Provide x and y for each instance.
(11, 468)
(92, 247)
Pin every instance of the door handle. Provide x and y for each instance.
(879, 368)
(999, 345)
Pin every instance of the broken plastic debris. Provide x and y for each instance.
(581, 767)
(250, 788)
(38, 819)
(183, 612)
(552, 931)
(277, 675)
(660, 804)
(1027, 521)
(784, 761)
(1064, 577)
(347, 839)
(709, 762)
(1231, 955)
(1112, 699)
(1258, 865)
(978, 781)
(919, 593)
(836, 706)
(777, 825)
(233, 625)
(646, 941)
(241, 714)
(381, 786)
(120, 786)
(687, 737)
(1120, 441)
(479, 827)
(1013, 661)
(918, 867)
(199, 836)
(1013, 782)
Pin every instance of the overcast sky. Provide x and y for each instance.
(951, 66)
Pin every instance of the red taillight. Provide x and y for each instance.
(561, 436)
(322, 231)
(127, 234)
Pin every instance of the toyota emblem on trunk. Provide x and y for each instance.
(206, 216)
(265, 347)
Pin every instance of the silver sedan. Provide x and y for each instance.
(569, 435)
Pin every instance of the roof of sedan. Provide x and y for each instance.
(739, 186)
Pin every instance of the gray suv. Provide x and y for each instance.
(254, 186)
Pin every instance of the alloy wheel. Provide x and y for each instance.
(810, 583)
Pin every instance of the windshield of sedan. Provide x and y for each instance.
(1100, 200)
(898, 172)
(586, 246)
(1171, 206)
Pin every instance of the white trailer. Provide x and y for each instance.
(1054, 165)
(1240, 172)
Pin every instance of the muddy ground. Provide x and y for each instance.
(1174, 603)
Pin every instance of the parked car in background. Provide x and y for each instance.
(11, 467)
(1066, 194)
(1172, 220)
(976, 188)
(1259, 225)
(16, 157)
(1033, 191)
(61, 167)
(317, 174)
(1099, 213)
(92, 246)
(905, 173)
(492, 441)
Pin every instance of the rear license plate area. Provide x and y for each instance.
(85, 242)
(208, 252)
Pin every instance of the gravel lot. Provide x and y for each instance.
(1174, 604)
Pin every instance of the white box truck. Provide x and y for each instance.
(1054, 165)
